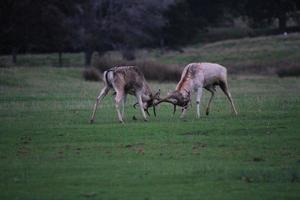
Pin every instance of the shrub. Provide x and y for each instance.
(91, 74)
(151, 69)
(4, 64)
(290, 71)
(159, 72)
(107, 61)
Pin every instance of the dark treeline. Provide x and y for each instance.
(103, 25)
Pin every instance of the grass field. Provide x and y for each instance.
(262, 55)
(48, 150)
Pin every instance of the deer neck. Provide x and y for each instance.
(147, 93)
(185, 90)
(185, 86)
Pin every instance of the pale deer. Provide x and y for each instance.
(196, 76)
(126, 80)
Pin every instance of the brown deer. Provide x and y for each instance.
(194, 77)
(127, 80)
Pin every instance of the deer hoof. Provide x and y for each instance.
(91, 121)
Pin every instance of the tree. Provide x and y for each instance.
(263, 13)
(14, 33)
(120, 25)
(33, 25)
(187, 17)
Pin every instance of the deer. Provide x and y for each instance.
(126, 80)
(195, 77)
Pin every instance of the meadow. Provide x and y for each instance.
(48, 149)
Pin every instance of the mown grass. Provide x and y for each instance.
(48, 150)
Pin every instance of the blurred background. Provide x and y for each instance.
(247, 36)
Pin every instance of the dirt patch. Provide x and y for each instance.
(137, 148)
(77, 151)
(25, 139)
(258, 159)
(134, 145)
(197, 147)
(194, 133)
(247, 179)
(23, 148)
(89, 194)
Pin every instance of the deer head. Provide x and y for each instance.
(177, 99)
(151, 102)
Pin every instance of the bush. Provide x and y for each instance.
(152, 70)
(159, 72)
(3, 64)
(105, 62)
(91, 74)
(291, 71)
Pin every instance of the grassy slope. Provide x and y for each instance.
(261, 54)
(249, 55)
(49, 151)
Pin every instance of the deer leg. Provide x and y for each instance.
(224, 87)
(102, 94)
(198, 99)
(119, 97)
(139, 99)
(183, 113)
(212, 91)
(123, 104)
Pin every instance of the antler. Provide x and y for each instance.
(146, 110)
(167, 101)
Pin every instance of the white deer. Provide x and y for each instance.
(127, 80)
(196, 76)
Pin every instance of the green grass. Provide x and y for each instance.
(260, 54)
(48, 150)
(44, 59)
